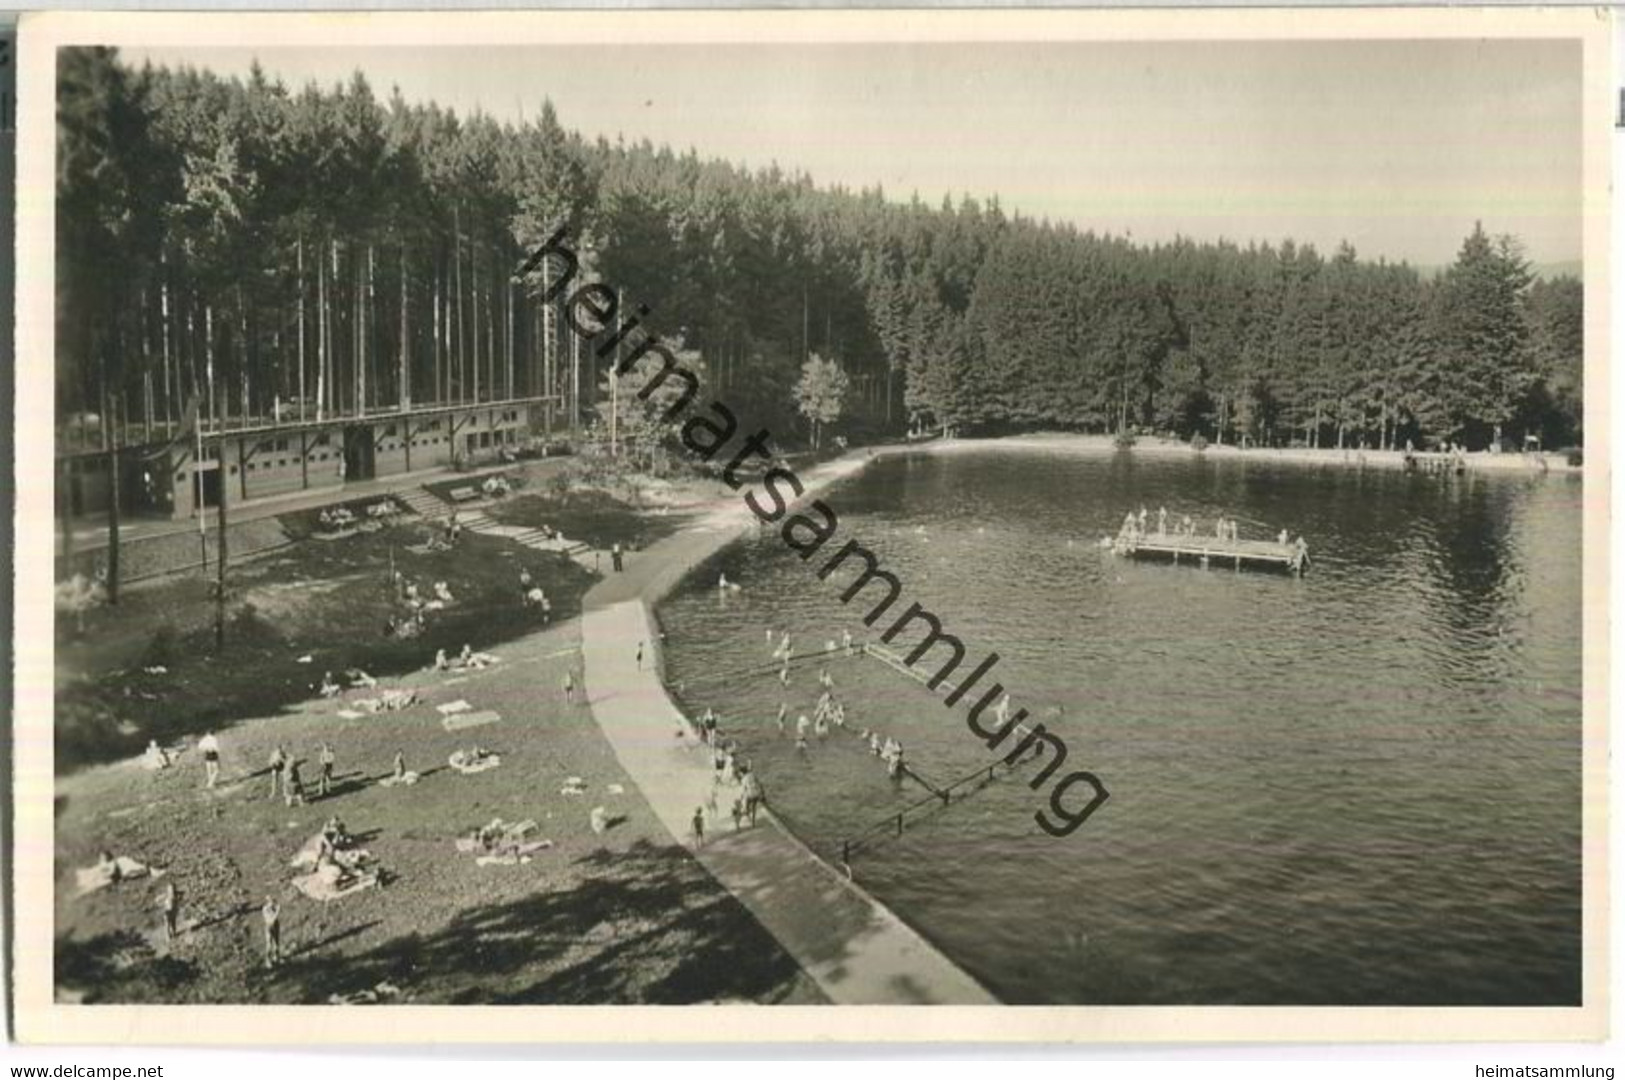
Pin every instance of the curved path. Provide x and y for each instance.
(857, 950)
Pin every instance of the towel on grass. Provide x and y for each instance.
(459, 721)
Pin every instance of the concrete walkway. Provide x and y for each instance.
(858, 951)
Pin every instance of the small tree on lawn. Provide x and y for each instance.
(819, 394)
(641, 423)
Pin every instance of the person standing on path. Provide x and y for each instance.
(211, 757)
(699, 826)
(570, 687)
(271, 913)
(169, 902)
(640, 647)
(615, 557)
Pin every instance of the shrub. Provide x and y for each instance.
(1124, 440)
(1198, 443)
(1576, 457)
(161, 647)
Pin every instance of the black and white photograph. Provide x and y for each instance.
(815, 510)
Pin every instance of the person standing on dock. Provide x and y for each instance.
(846, 641)
(1187, 526)
(1162, 521)
(1284, 539)
(615, 557)
(1142, 519)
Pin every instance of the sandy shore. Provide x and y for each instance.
(1353, 458)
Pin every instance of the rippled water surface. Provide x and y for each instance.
(1358, 787)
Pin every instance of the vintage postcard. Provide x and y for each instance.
(882, 516)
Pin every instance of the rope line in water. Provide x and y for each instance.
(771, 666)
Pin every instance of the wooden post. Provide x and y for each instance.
(220, 555)
(110, 441)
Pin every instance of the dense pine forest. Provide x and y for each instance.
(276, 253)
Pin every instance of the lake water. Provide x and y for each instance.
(1358, 787)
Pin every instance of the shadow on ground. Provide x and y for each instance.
(645, 926)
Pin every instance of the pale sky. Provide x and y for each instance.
(1395, 146)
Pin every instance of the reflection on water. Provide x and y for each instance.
(1358, 787)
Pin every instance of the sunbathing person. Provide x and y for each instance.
(475, 760)
(156, 757)
(111, 870)
(329, 687)
(335, 833)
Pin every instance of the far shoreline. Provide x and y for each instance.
(1069, 442)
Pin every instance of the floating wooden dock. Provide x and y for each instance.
(1213, 551)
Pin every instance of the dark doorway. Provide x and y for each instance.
(359, 453)
(206, 488)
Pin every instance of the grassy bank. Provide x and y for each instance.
(327, 600)
(622, 916)
(594, 517)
